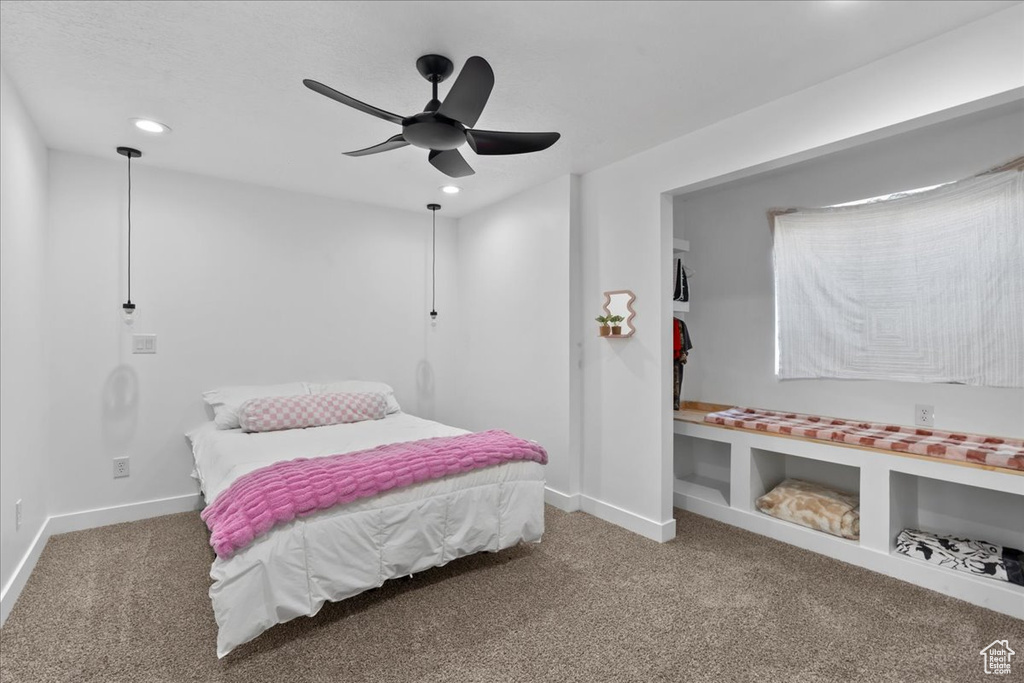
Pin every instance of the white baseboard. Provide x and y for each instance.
(656, 531)
(563, 501)
(19, 578)
(87, 519)
(130, 512)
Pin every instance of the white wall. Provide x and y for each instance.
(732, 304)
(517, 366)
(23, 309)
(242, 285)
(626, 241)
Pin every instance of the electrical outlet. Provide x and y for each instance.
(17, 514)
(120, 467)
(924, 416)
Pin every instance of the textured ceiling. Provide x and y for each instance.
(614, 78)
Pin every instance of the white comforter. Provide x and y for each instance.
(334, 554)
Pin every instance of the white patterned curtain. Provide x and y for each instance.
(923, 287)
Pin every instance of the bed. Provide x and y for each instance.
(293, 569)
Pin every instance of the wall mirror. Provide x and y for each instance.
(620, 302)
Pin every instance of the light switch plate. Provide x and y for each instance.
(143, 343)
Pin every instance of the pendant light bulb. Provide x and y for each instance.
(433, 261)
(128, 314)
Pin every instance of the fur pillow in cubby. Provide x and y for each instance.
(814, 506)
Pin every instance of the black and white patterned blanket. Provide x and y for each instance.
(964, 555)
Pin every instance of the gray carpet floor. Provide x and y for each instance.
(592, 602)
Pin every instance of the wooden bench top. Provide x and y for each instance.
(695, 411)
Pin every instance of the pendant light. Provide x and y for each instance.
(433, 259)
(128, 308)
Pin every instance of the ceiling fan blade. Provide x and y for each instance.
(389, 144)
(468, 96)
(327, 91)
(450, 162)
(501, 142)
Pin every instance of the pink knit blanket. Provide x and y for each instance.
(985, 450)
(260, 500)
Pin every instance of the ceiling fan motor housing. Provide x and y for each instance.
(431, 130)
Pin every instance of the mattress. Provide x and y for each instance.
(295, 568)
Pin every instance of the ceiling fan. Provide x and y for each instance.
(442, 127)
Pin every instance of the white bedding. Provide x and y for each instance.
(335, 554)
(222, 456)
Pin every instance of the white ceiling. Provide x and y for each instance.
(614, 78)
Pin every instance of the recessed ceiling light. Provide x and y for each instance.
(151, 126)
(451, 189)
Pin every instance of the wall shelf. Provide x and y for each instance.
(681, 306)
(680, 245)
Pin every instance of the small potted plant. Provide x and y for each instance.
(616, 322)
(604, 329)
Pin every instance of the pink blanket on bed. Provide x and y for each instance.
(984, 450)
(260, 500)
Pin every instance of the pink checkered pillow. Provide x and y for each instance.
(274, 413)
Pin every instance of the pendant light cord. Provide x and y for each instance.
(433, 259)
(129, 228)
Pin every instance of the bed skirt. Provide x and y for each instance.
(293, 570)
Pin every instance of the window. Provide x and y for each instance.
(924, 286)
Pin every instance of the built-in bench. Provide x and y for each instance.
(720, 470)
(993, 451)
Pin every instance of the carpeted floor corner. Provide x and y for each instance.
(592, 602)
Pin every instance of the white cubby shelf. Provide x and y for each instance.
(680, 245)
(702, 470)
(719, 472)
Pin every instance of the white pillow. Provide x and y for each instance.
(358, 386)
(227, 401)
